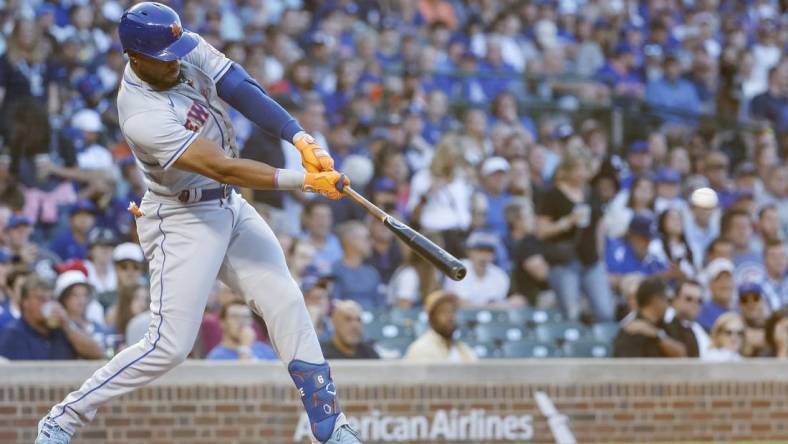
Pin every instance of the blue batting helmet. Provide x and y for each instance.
(155, 30)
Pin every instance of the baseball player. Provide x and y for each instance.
(194, 227)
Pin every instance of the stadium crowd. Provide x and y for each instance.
(612, 172)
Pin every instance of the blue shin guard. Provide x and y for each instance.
(319, 395)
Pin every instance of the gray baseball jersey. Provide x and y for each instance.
(189, 245)
(160, 125)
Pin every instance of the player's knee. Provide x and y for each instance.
(174, 352)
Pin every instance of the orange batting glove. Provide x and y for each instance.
(330, 184)
(313, 157)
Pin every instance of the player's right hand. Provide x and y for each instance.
(329, 184)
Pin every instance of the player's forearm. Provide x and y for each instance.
(257, 175)
(243, 93)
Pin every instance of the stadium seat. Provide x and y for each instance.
(485, 350)
(530, 349)
(541, 316)
(499, 333)
(605, 331)
(377, 330)
(473, 317)
(587, 349)
(394, 347)
(520, 316)
(404, 316)
(567, 331)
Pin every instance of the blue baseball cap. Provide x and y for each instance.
(312, 276)
(750, 288)
(668, 175)
(82, 206)
(17, 220)
(480, 240)
(642, 225)
(638, 147)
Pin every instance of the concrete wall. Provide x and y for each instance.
(493, 401)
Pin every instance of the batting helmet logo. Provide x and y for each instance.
(176, 30)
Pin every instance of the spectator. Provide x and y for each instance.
(668, 191)
(754, 313)
(495, 180)
(317, 288)
(701, 222)
(775, 280)
(768, 229)
(386, 252)
(530, 269)
(300, 255)
(719, 248)
(9, 302)
(727, 339)
(637, 200)
(414, 280)
(567, 224)
(639, 162)
(777, 333)
(631, 254)
(619, 73)
(486, 284)
(719, 274)
(775, 190)
(44, 332)
(26, 254)
(74, 292)
(438, 343)
(674, 99)
(132, 301)
(239, 341)
(644, 337)
(101, 273)
(356, 280)
(129, 266)
(347, 341)
(671, 246)
(772, 105)
(318, 221)
(736, 226)
(681, 319)
(715, 166)
(71, 243)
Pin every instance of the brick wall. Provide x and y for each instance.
(610, 401)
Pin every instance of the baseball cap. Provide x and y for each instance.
(704, 198)
(717, 267)
(668, 175)
(438, 297)
(87, 120)
(17, 220)
(101, 236)
(638, 147)
(127, 251)
(68, 280)
(746, 169)
(479, 240)
(642, 225)
(622, 48)
(312, 276)
(82, 206)
(750, 288)
(494, 165)
(563, 131)
(72, 264)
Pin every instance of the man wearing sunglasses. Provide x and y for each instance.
(680, 319)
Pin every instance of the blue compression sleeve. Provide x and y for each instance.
(243, 93)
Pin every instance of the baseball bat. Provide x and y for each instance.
(436, 255)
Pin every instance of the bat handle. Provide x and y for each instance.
(361, 200)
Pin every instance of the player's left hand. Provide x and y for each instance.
(330, 184)
(313, 157)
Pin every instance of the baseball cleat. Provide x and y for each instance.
(49, 432)
(344, 435)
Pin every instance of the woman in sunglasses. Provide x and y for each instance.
(727, 339)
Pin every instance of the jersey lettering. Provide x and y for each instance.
(196, 117)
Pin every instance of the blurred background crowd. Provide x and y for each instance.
(613, 172)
